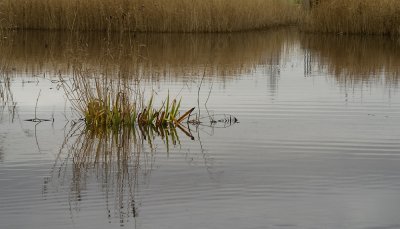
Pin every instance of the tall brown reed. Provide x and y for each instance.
(354, 17)
(147, 15)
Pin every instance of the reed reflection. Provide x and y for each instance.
(119, 162)
(353, 60)
(153, 57)
(113, 158)
(7, 102)
(150, 56)
(1, 148)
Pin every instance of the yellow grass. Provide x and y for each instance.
(333, 16)
(147, 15)
(355, 17)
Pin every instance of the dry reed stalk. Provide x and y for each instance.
(106, 103)
(147, 15)
(355, 17)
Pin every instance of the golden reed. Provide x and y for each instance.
(354, 17)
(333, 16)
(147, 15)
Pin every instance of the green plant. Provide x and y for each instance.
(106, 103)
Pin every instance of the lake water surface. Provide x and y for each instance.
(317, 144)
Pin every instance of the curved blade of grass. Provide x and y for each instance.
(186, 114)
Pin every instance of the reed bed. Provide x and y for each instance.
(328, 16)
(354, 17)
(147, 15)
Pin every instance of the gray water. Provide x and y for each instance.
(317, 144)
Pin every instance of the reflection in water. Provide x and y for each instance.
(5, 91)
(114, 159)
(117, 160)
(150, 55)
(1, 148)
(294, 153)
(350, 59)
(353, 59)
(6, 97)
(273, 80)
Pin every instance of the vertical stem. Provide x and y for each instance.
(37, 100)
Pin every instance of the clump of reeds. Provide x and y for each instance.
(107, 103)
(166, 115)
(354, 17)
(147, 15)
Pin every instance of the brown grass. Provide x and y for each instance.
(329, 16)
(147, 15)
(355, 17)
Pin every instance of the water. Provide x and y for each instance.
(317, 145)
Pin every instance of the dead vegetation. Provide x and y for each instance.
(147, 16)
(354, 17)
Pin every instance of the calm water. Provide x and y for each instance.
(317, 146)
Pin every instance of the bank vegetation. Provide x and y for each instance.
(147, 15)
(354, 17)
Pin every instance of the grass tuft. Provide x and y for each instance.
(106, 103)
